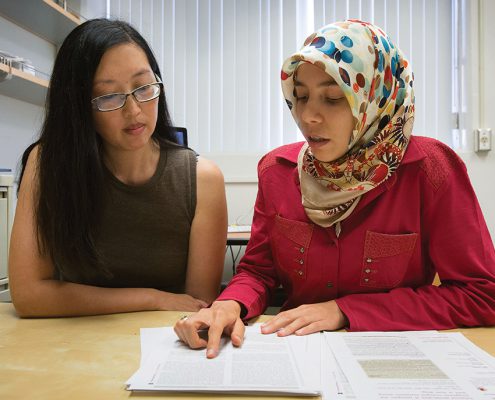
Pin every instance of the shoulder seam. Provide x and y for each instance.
(439, 162)
(270, 158)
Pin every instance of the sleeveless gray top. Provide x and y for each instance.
(144, 231)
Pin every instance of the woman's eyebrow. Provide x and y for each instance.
(107, 81)
(329, 82)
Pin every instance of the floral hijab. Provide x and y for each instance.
(377, 82)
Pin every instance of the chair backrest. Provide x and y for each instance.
(181, 135)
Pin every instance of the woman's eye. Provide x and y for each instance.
(333, 100)
(143, 90)
(109, 97)
(301, 98)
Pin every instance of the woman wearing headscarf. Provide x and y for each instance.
(355, 222)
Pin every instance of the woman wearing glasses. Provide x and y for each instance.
(113, 215)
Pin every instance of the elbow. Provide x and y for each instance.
(22, 310)
(22, 307)
(26, 304)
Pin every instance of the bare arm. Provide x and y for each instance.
(208, 234)
(35, 292)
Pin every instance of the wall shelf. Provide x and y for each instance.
(24, 86)
(45, 19)
(41, 17)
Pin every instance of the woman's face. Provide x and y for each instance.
(122, 69)
(323, 113)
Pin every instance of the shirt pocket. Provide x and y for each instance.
(386, 258)
(290, 242)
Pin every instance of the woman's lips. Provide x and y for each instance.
(315, 141)
(134, 129)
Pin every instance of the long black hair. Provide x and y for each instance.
(70, 188)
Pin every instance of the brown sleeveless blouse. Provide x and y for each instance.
(144, 231)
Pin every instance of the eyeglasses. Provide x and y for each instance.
(114, 101)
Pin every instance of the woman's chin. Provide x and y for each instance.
(324, 155)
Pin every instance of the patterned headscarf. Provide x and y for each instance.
(377, 82)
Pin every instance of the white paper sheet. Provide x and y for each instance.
(264, 364)
(429, 366)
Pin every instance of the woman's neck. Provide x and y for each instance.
(134, 167)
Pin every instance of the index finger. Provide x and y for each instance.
(187, 331)
(214, 337)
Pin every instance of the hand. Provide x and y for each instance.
(178, 302)
(306, 319)
(221, 317)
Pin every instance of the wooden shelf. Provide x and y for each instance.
(24, 86)
(45, 19)
(41, 17)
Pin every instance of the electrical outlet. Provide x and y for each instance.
(482, 140)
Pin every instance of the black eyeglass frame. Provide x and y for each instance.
(94, 101)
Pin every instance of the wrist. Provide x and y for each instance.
(343, 321)
(230, 305)
(157, 299)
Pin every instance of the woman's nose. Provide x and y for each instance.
(311, 112)
(132, 106)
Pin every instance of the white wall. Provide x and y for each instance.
(481, 169)
(241, 183)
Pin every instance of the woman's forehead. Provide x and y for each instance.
(307, 71)
(124, 61)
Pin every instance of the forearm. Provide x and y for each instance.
(204, 283)
(203, 278)
(207, 294)
(427, 307)
(51, 298)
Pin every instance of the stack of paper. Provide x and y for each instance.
(265, 364)
(371, 365)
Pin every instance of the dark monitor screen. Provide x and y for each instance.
(181, 135)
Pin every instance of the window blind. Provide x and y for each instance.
(221, 61)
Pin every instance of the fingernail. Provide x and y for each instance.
(211, 353)
(238, 339)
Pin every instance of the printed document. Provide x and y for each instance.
(425, 365)
(409, 365)
(264, 364)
